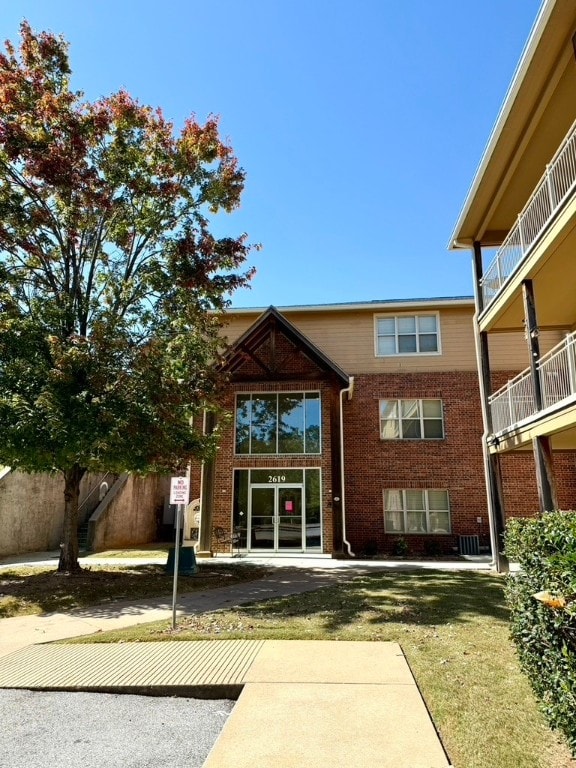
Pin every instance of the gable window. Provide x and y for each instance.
(416, 511)
(275, 423)
(411, 420)
(407, 335)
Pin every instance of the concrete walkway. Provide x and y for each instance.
(20, 631)
(300, 703)
(288, 576)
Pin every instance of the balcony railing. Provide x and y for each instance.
(557, 372)
(555, 186)
(516, 400)
(513, 402)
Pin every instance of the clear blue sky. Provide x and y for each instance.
(359, 124)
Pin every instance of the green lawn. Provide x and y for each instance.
(31, 590)
(453, 628)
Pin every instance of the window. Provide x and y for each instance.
(416, 511)
(407, 335)
(411, 420)
(278, 423)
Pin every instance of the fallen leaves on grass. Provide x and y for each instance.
(26, 591)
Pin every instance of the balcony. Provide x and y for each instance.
(553, 190)
(516, 400)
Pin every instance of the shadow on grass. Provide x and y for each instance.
(423, 598)
(46, 591)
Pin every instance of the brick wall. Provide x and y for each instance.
(372, 465)
(454, 463)
(227, 461)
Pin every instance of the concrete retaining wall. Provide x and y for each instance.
(32, 512)
(133, 515)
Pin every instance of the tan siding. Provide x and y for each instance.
(347, 337)
(237, 325)
(509, 351)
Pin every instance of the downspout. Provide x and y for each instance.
(350, 390)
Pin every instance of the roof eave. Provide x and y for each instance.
(464, 232)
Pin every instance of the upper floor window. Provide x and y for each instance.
(279, 422)
(407, 335)
(411, 420)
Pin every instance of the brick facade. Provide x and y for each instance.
(454, 463)
(270, 361)
(228, 461)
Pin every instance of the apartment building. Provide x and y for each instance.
(519, 223)
(356, 430)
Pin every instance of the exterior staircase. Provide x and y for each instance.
(89, 504)
(83, 537)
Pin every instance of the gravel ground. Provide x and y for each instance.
(101, 730)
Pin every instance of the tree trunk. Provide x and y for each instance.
(68, 562)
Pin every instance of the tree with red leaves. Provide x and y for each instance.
(112, 288)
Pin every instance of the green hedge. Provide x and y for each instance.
(544, 627)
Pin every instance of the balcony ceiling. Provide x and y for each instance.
(538, 111)
(552, 268)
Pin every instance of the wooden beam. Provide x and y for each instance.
(531, 325)
(545, 478)
(492, 470)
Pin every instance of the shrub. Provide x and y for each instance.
(400, 547)
(542, 599)
(371, 549)
(432, 548)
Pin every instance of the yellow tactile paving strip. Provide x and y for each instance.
(131, 666)
(303, 704)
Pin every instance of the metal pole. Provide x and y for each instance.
(179, 509)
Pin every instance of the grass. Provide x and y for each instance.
(453, 629)
(30, 590)
(151, 550)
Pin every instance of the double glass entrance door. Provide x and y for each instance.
(275, 518)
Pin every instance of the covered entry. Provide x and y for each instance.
(282, 453)
(278, 510)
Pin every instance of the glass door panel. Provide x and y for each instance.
(262, 518)
(289, 517)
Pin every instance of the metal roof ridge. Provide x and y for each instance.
(358, 304)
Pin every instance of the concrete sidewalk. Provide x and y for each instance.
(301, 704)
(20, 631)
(287, 576)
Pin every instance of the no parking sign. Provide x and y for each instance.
(179, 490)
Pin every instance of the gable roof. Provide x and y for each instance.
(267, 327)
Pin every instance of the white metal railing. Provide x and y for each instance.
(552, 190)
(93, 490)
(516, 400)
(513, 402)
(557, 372)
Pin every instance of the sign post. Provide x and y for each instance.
(179, 493)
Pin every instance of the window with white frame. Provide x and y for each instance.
(411, 419)
(416, 511)
(408, 335)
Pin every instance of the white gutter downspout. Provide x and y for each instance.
(350, 390)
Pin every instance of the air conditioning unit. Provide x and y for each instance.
(469, 545)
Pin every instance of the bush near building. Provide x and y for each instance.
(542, 599)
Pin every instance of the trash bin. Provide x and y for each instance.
(186, 561)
